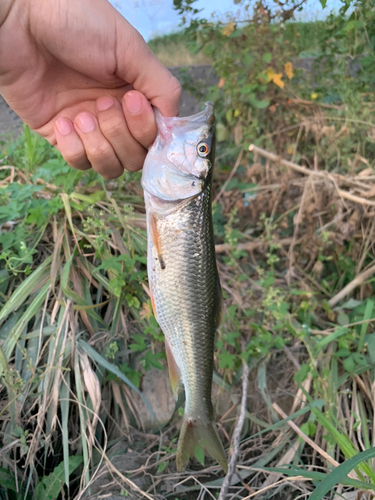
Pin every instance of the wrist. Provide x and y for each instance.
(5, 8)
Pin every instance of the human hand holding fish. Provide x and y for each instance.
(82, 77)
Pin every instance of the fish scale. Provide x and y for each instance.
(183, 277)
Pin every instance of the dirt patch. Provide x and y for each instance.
(10, 123)
(202, 77)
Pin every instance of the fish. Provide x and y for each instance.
(183, 279)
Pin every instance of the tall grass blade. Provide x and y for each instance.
(82, 418)
(64, 406)
(366, 317)
(12, 339)
(31, 284)
(337, 475)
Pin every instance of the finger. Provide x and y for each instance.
(114, 128)
(70, 145)
(139, 117)
(98, 150)
(146, 73)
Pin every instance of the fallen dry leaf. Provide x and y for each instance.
(228, 29)
(368, 194)
(276, 78)
(221, 82)
(288, 67)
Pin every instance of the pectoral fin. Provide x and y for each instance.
(156, 239)
(174, 372)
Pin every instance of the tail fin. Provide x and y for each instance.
(193, 433)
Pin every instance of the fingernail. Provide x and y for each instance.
(85, 122)
(64, 126)
(133, 102)
(104, 103)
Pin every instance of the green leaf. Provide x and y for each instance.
(349, 364)
(226, 360)
(151, 359)
(291, 471)
(340, 473)
(371, 347)
(259, 103)
(366, 317)
(140, 344)
(49, 488)
(343, 318)
(162, 466)
(7, 480)
(352, 25)
(323, 3)
(267, 57)
(330, 338)
(199, 454)
(300, 376)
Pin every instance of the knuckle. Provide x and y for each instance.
(144, 132)
(175, 87)
(74, 158)
(112, 129)
(134, 164)
(99, 150)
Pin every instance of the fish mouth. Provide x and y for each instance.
(205, 116)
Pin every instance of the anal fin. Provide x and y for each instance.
(174, 372)
(152, 298)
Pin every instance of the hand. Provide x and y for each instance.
(81, 76)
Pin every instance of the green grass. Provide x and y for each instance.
(181, 49)
(177, 49)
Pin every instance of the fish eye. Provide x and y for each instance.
(203, 149)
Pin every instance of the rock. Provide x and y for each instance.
(157, 391)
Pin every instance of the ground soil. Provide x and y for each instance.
(10, 123)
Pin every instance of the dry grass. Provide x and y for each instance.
(295, 239)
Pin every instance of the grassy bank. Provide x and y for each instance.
(294, 225)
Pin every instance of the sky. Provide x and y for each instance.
(157, 17)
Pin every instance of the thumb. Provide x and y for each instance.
(137, 65)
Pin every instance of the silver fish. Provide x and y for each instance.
(183, 278)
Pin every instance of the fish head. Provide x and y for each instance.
(180, 161)
(189, 142)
